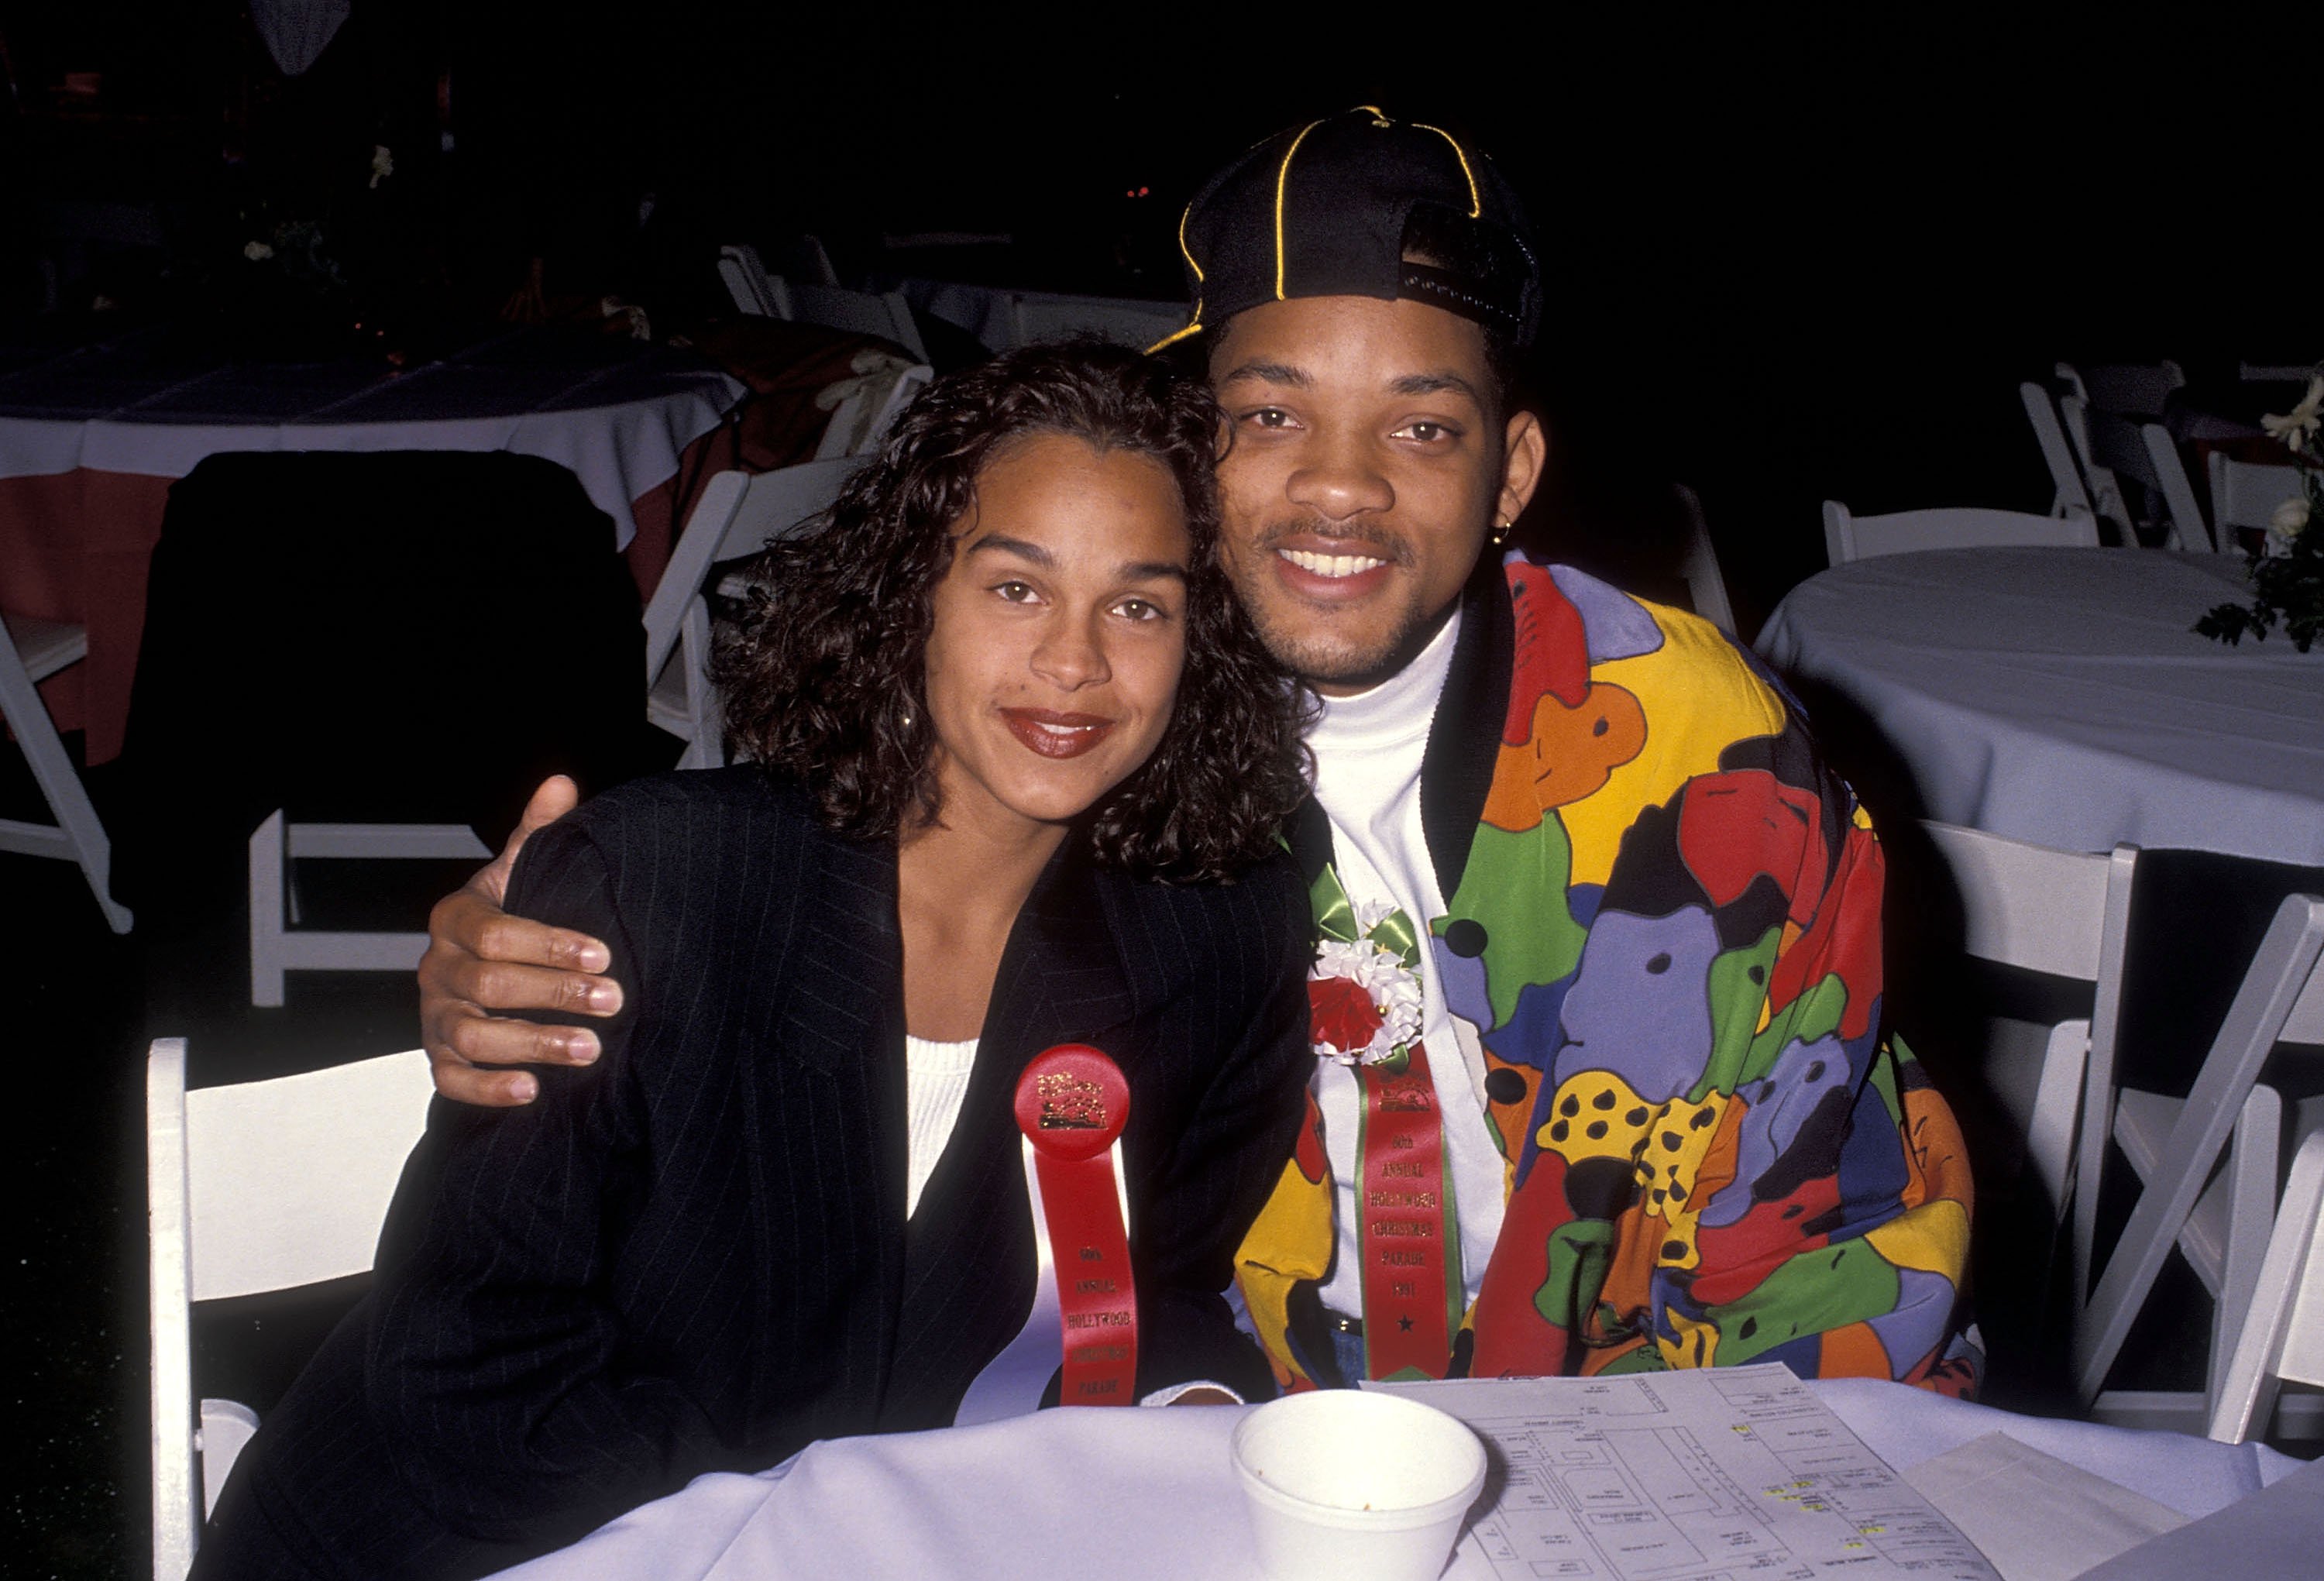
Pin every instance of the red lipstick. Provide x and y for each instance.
(1052, 734)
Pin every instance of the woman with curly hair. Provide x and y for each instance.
(1018, 770)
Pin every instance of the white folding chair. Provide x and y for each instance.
(2065, 477)
(2108, 501)
(862, 418)
(30, 651)
(268, 1185)
(737, 514)
(2063, 913)
(2112, 446)
(885, 315)
(2220, 1225)
(2283, 1337)
(1698, 565)
(1847, 536)
(2245, 493)
(756, 293)
(279, 945)
(2177, 493)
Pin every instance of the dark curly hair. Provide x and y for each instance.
(824, 674)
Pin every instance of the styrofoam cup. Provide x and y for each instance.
(1356, 1486)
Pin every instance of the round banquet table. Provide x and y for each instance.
(1149, 1495)
(90, 440)
(2059, 695)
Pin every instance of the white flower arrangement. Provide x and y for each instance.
(2287, 567)
(2296, 428)
(1390, 988)
(2290, 520)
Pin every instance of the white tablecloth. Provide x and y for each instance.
(2057, 696)
(1148, 1496)
(1005, 318)
(617, 413)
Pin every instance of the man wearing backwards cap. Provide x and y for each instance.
(1601, 1085)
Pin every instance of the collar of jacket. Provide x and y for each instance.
(1060, 977)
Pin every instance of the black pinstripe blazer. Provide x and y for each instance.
(693, 1256)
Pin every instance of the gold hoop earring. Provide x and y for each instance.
(1501, 533)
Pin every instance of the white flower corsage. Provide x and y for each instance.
(1364, 1003)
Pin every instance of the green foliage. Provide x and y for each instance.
(2287, 578)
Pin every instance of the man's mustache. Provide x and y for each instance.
(1381, 544)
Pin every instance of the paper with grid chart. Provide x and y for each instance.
(1727, 1472)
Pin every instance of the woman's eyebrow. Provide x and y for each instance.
(1017, 546)
(1128, 571)
(1152, 570)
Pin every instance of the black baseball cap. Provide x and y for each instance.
(1331, 208)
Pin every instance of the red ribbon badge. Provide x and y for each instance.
(1403, 1229)
(1072, 1103)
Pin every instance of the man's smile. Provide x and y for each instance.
(1334, 567)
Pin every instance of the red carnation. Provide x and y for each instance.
(1341, 1012)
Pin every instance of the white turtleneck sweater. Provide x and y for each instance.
(1368, 755)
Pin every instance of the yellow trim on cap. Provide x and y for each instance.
(1476, 205)
(1282, 176)
(1193, 327)
(1184, 252)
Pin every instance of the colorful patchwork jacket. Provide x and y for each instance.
(1665, 929)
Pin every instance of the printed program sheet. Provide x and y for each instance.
(1687, 1476)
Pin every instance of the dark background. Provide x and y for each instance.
(1792, 257)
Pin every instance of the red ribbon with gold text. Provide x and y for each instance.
(1072, 1104)
(1404, 1222)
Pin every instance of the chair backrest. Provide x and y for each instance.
(737, 513)
(2178, 492)
(861, 420)
(2063, 913)
(1847, 536)
(266, 1185)
(29, 650)
(746, 513)
(2305, 1024)
(1698, 565)
(2138, 390)
(2066, 914)
(756, 292)
(2283, 1338)
(2065, 476)
(2245, 493)
(887, 314)
(2278, 999)
(296, 618)
(813, 263)
(2107, 499)
(2143, 453)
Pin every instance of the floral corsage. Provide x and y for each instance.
(1364, 1003)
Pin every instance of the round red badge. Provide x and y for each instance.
(1072, 1101)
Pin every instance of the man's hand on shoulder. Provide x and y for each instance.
(481, 960)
